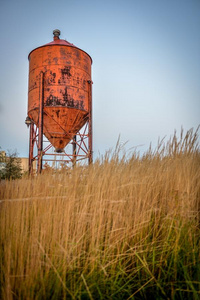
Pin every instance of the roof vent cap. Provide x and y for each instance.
(56, 34)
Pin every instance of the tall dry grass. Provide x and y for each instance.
(123, 228)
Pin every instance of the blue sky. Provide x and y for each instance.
(146, 65)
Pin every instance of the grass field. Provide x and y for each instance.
(126, 227)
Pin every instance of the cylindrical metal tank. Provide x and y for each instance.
(60, 74)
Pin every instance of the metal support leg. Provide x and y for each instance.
(90, 146)
(31, 144)
(40, 125)
(74, 151)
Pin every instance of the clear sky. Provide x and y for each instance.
(146, 65)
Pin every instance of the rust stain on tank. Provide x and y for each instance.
(67, 71)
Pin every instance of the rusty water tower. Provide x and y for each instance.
(59, 103)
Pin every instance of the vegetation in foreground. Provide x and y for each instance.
(123, 228)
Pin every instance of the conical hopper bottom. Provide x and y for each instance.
(60, 124)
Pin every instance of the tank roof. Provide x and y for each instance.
(59, 42)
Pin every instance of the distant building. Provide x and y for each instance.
(3, 154)
(2, 160)
(24, 164)
(23, 160)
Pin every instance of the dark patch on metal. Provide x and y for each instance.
(66, 101)
(66, 71)
(57, 113)
(52, 101)
(51, 78)
(55, 59)
(70, 102)
(77, 53)
(65, 74)
(62, 52)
